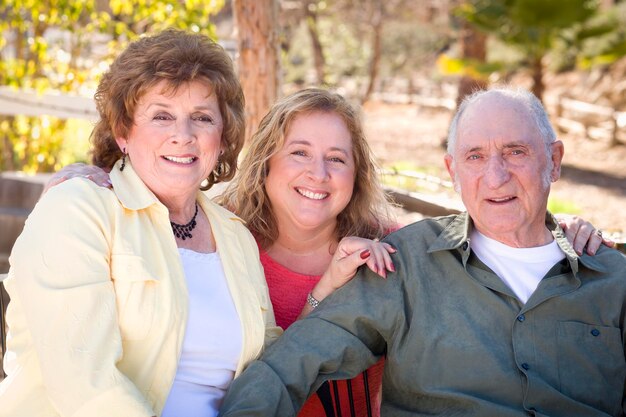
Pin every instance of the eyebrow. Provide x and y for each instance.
(307, 143)
(506, 146)
(167, 106)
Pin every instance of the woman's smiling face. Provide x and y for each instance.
(311, 179)
(175, 140)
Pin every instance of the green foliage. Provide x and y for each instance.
(475, 68)
(345, 33)
(65, 45)
(608, 44)
(532, 25)
(563, 28)
(556, 205)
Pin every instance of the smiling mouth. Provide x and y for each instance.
(180, 160)
(312, 195)
(501, 200)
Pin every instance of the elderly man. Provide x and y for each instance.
(490, 312)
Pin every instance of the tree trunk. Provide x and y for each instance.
(537, 68)
(473, 47)
(318, 52)
(19, 45)
(377, 26)
(258, 64)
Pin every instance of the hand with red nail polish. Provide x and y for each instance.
(353, 252)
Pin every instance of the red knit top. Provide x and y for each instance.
(288, 291)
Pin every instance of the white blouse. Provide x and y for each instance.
(212, 343)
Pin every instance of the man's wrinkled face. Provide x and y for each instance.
(502, 168)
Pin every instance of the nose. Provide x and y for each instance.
(184, 132)
(496, 173)
(317, 170)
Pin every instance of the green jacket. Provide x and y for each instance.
(458, 342)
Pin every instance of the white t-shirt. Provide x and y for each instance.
(213, 340)
(520, 268)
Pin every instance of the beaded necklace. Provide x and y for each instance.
(183, 231)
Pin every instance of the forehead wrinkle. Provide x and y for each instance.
(485, 119)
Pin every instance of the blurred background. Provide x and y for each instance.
(406, 63)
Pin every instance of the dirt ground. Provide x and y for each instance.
(593, 180)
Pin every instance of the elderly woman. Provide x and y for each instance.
(146, 299)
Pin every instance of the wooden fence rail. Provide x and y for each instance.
(595, 121)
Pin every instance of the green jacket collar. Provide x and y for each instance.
(456, 236)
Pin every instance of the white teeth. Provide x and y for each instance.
(312, 195)
(186, 160)
(499, 200)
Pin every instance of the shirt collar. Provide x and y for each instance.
(588, 261)
(456, 236)
(130, 189)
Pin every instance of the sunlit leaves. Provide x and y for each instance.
(66, 45)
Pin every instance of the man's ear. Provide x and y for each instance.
(449, 161)
(557, 158)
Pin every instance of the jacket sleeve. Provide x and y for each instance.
(344, 336)
(61, 275)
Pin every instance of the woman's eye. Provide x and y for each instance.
(298, 153)
(162, 116)
(203, 118)
(337, 159)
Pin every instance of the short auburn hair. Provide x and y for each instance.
(176, 57)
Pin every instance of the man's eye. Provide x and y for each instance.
(473, 157)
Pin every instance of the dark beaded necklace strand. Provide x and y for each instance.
(183, 231)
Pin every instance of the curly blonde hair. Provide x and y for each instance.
(178, 58)
(368, 212)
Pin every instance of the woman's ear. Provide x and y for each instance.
(122, 143)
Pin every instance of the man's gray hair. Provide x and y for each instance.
(528, 101)
(519, 95)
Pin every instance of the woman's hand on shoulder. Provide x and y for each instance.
(93, 173)
(581, 234)
(351, 253)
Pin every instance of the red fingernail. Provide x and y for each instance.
(392, 268)
(365, 254)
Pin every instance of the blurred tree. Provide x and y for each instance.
(473, 45)
(259, 67)
(530, 25)
(310, 9)
(356, 31)
(369, 17)
(65, 45)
